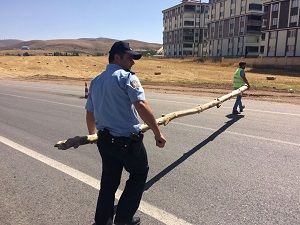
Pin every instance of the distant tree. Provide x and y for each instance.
(99, 54)
(26, 54)
(148, 52)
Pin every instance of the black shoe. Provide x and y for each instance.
(242, 108)
(109, 222)
(235, 112)
(134, 221)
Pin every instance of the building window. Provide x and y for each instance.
(232, 11)
(274, 21)
(221, 4)
(188, 23)
(243, 8)
(293, 19)
(294, 3)
(266, 8)
(231, 26)
(275, 7)
(189, 8)
(264, 23)
(257, 7)
(221, 13)
(273, 35)
(232, 2)
(291, 33)
(242, 24)
(188, 45)
(263, 36)
(220, 30)
(242, 19)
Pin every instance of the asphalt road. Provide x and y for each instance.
(215, 169)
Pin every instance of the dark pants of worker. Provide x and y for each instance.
(118, 153)
(238, 103)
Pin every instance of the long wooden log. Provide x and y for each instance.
(82, 140)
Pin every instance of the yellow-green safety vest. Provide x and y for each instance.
(237, 80)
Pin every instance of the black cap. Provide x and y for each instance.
(123, 47)
(242, 63)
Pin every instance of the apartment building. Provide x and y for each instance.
(185, 29)
(234, 28)
(280, 28)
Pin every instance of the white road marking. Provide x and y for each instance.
(241, 134)
(154, 212)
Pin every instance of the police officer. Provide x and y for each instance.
(115, 100)
(239, 80)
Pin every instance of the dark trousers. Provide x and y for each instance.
(118, 153)
(238, 102)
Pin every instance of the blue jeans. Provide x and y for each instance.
(238, 103)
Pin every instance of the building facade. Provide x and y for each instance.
(185, 29)
(280, 28)
(234, 28)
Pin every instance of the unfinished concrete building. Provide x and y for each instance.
(185, 29)
(280, 28)
(234, 28)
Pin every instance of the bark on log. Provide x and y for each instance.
(82, 140)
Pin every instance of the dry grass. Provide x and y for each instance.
(169, 71)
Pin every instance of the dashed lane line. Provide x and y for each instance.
(154, 212)
(241, 134)
(153, 99)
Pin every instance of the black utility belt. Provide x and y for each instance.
(132, 138)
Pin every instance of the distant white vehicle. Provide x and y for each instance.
(24, 47)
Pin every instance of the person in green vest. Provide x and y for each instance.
(239, 80)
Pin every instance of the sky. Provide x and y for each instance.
(71, 19)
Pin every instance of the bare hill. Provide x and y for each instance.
(83, 45)
(9, 43)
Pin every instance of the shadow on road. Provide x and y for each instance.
(185, 156)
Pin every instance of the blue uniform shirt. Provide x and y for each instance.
(110, 98)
